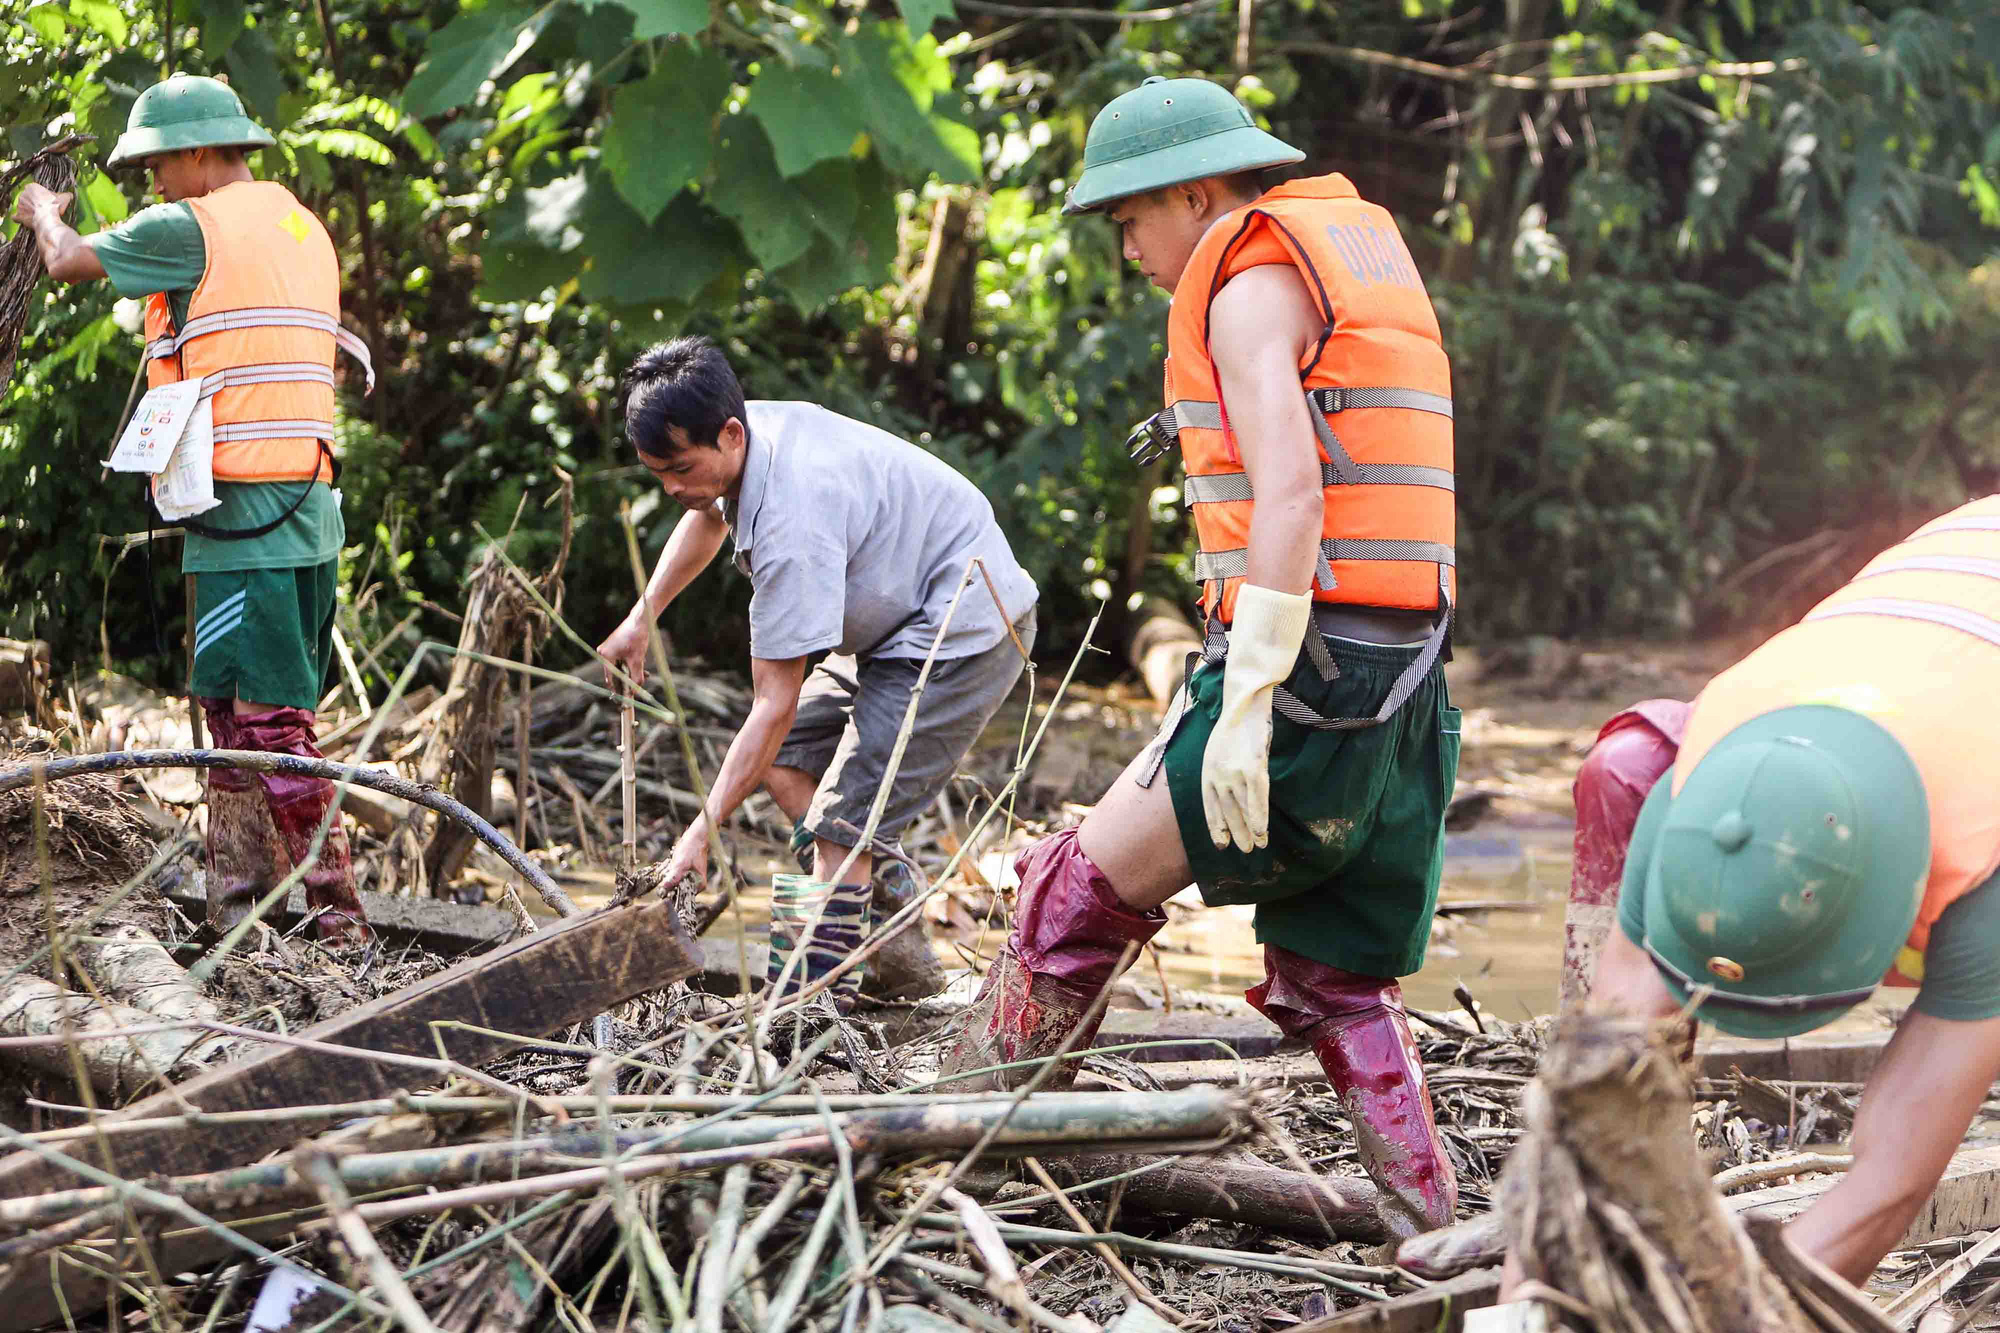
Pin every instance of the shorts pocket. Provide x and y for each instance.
(1451, 723)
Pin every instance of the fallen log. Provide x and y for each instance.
(561, 975)
(117, 1067)
(1233, 1191)
(1044, 1123)
(134, 968)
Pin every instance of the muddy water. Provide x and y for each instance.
(1509, 959)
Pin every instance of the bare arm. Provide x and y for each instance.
(1915, 1110)
(695, 540)
(775, 685)
(64, 253)
(1260, 326)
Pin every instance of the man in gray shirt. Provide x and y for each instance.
(855, 543)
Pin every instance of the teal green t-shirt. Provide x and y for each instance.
(161, 249)
(1961, 961)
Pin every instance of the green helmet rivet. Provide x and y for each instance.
(1732, 831)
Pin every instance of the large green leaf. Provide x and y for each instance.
(809, 115)
(749, 191)
(221, 21)
(667, 18)
(856, 253)
(921, 14)
(831, 197)
(467, 52)
(662, 133)
(254, 74)
(514, 264)
(902, 126)
(632, 264)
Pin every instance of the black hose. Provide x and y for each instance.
(258, 761)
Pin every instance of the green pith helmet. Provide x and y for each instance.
(186, 111)
(1787, 871)
(1166, 132)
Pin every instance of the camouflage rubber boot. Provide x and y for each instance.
(1071, 934)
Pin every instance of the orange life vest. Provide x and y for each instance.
(261, 332)
(1378, 389)
(1914, 643)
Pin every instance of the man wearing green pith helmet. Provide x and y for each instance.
(1831, 823)
(242, 291)
(1305, 765)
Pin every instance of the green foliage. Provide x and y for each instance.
(1696, 315)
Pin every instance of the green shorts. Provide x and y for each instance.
(265, 635)
(1350, 876)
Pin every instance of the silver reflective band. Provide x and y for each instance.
(1936, 564)
(1235, 564)
(272, 317)
(1225, 487)
(273, 430)
(1161, 431)
(1767, 1004)
(1903, 608)
(277, 372)
(1354, 400)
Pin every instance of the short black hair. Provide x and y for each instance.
(685, 382)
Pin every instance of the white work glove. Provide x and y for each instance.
(1264, 644)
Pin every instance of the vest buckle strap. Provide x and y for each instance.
(1152, 438)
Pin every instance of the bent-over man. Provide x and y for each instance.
(1822, 820)
(855, 543)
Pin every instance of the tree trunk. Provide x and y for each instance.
(1606, 1199)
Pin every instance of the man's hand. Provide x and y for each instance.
(1264, 641)
(36, 199)
(690, 857)
(626, 650)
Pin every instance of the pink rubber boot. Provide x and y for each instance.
(1358, 1030)
(1632, 752)
(297, 805)
(1071, 934)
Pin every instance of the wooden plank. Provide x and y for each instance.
(441, 927)
(562, 974)
(1967, 1199)
(1438, 1308)
(1826, 1060)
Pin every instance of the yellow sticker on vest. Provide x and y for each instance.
(295, 223)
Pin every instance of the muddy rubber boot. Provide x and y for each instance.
(907, 967)
(245, 856)
(1071, 933)
(1361, 1036)
(297, 805)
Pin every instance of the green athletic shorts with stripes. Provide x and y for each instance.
(265, 635)
(1350, 876)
